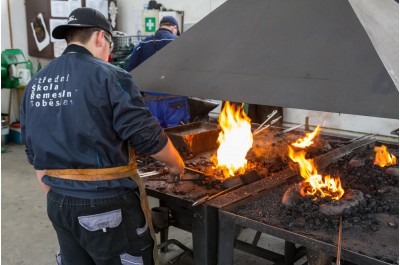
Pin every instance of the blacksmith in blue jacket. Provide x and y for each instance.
(170, 110)
(81, 117)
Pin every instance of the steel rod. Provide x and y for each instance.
(269, 125)
(148, 174)
(339, 248)
(207, 198)
(293, 128)
(196, 171)
(268, 118)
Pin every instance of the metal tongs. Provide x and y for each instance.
(272, 114)
(175, 178)
(267, 126)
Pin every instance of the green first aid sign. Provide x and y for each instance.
(150, 24)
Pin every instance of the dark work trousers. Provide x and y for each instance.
(109, 231)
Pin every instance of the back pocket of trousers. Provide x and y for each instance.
(104, 234)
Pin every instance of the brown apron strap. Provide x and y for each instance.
(144, 203)
(146, 210)
(94, 174)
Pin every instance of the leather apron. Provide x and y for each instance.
(109, 174)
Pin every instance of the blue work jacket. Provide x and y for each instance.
(149, 46)
(81, 112)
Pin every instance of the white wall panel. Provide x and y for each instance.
(194, 10)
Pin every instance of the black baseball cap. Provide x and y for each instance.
(170, 20)
(83, 17)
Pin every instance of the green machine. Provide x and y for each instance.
(10, 79)
(10, 58)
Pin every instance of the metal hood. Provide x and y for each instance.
(305, 54)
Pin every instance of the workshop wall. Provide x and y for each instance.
(194, 10)
(129, 13)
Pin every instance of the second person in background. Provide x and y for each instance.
(170, 110)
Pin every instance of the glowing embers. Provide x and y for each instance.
(314, 183)
(235, 140)
(306, 140)
(383, 158)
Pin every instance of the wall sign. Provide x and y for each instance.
(42, 18)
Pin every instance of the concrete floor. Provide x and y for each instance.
(28, 236)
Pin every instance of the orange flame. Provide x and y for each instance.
(306, 140)
(383, 158)
(319, 186)
(235, 140)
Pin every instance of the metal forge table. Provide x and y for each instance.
(262, 212)
(356, 243)
(201, 221)
(213, 232)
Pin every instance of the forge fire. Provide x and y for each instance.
(383, 158)
(235, 140)
(314, 183)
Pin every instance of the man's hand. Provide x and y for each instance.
(170, 156)
(176, 172)
(39, 175)
(177, 168)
